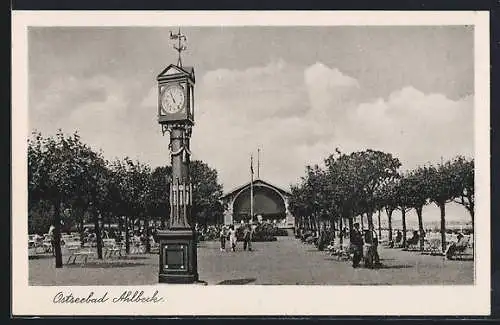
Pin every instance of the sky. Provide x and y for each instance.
(297, 93)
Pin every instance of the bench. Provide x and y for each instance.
(76, 252)
(114, 250)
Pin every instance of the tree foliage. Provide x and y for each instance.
(363, 182)
(70, 183)
(207, 205)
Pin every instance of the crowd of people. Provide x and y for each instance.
(229, 233)
(363, 245)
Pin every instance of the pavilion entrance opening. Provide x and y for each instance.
(268, 203)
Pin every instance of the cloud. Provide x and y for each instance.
(418, 128)
(104, 112)
(240, 110)
(257, 93)
(329, 90)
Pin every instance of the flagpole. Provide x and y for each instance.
(251, 188)
(258, 163)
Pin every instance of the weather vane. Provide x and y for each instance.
(180, 46)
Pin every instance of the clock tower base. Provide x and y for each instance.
(178, 256)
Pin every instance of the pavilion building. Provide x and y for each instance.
(269, 203)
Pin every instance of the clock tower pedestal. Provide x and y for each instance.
(178, 248)
(177, 256)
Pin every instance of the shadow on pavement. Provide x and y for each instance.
(464, 258)
(336, 259)
(39, 257)
(94, 265)
(403, 266)
(132, 257)
(238, 281)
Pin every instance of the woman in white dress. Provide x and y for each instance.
(232, 238)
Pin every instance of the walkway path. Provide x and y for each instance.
(286, 261)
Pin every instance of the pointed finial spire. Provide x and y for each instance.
(180, 46)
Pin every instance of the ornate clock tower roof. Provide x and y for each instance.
(174, 71)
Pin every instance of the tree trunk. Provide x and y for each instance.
(443, 225)
(389, 220)
(471, 211)
(97, 233)
(379, 226)
(362, 222)
(351, 226)
(127, 235)
(120, 228)
(81, 232)
(57, 234)
(369, 218)
(341, 227)
(403, 220)
(146, 230)
(420, 227)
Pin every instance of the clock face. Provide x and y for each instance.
(172, 99)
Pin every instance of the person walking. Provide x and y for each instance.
(373, 249)
(356, 239)
(223, 235)
(52, 239)
(253, 226)
(232, 238)
(246, 236)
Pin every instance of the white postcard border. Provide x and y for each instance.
(253, 300)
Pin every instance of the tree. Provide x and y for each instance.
(386, 196)
(443, 185)
(91, 193)
(417, 193)
(315, 186)
(207, 193)
(133, 179)
(53, 171)
(138, 182)
(464, 186)
(372, 170)
(159, 201)
(39, 216)
(120, 180)
(402, 201)
(342, 187)
(298, 205)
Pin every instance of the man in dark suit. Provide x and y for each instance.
(356, 239)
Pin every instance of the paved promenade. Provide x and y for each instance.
(286, 261)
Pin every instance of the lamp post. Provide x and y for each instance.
(178, 251)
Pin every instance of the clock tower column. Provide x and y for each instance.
(178, 249)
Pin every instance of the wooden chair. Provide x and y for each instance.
(155, 248)
(116, 250)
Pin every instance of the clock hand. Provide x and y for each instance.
(172, 97)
